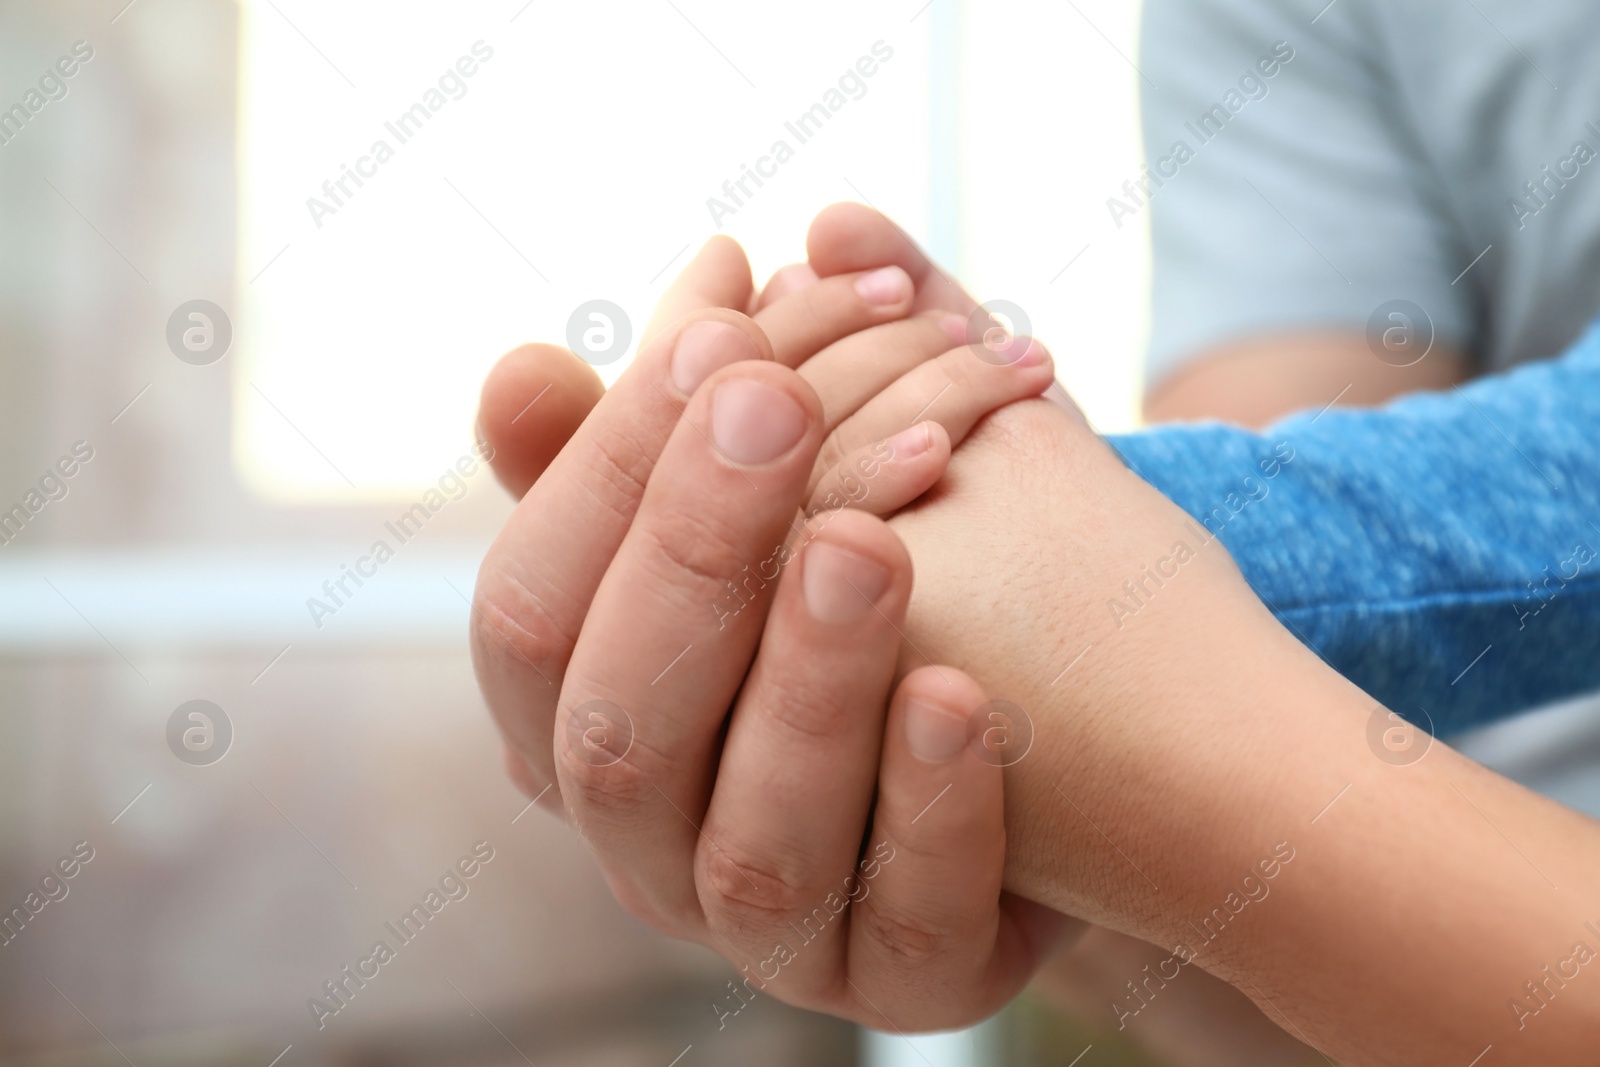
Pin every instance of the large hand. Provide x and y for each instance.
(1192, 735)
(747, 835)
(845, 238)
(698, 553)
(872, 377)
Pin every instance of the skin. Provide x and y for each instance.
(1184, 778)
(1202, 1021)
(1197, 769)
(1257, 381)
(1251, 382)
(1271, 377)
(654, 529)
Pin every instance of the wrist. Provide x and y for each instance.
(1126, 636)
(1198, 778)
(1181, 778)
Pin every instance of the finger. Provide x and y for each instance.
(539, 576)
(717, 277)
(933, 937)
(536, 789)
(785, 280)
(854, 369)
(847, 237)
(955, 390)
(537, 395)
(795, 781)
(885, 476)
(532, 402)
(809, 319)
(673, 627)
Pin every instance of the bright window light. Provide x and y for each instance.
(420, 196)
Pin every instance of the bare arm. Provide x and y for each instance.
(1203, 1020)
(1176, 753)
(1255, 381)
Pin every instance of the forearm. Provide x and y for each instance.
(1426, 894)
(1180, 747)
(1257, 380)
(1059, 525)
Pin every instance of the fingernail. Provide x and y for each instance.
(841, 586)
(908, 444)
(934, 734)
(1031, 356)
(884, 286)
(955, 328)
(753, 423)
(704, 348)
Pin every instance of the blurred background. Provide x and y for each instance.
(330, 383)
(254, 372)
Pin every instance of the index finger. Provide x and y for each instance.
(539, 577)
(717, 277)
(536, 396)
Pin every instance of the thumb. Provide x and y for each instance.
(534, 399)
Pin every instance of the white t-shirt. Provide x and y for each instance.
(1442, 152)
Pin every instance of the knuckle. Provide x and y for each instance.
(687, 552)
(834, 483)
(614, 807)
(806, 708)
(905, 940)
(616, 795)
(638, 902)
(513, 623)
(744, 891)
(963, 364)
(822, 303)
(948, 381)
(621, 465)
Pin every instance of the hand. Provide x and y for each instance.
(906, 929)
(538, 579)
(845, 239)
(1176, 739)
(1206, 1021)
(750, 438)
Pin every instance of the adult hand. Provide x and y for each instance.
(870, 371)
(1186, 773)
(844, 239)
(602, 587)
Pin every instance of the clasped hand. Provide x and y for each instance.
(691, 629)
